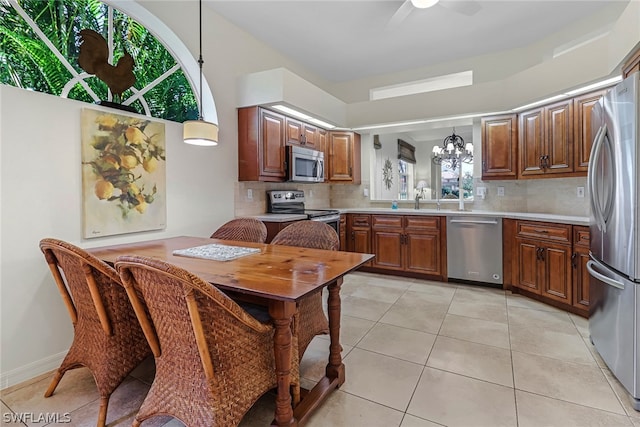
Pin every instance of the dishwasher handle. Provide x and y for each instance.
(473, 221)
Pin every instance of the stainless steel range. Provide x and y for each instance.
(292, 202)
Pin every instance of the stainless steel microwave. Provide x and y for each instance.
(305, 165)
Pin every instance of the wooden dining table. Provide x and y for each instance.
(281, 275)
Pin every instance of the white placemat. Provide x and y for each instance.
(216, 252)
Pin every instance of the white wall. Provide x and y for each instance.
(41, 197)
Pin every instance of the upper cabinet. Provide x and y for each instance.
(263, 135)
(261, 142)
(632, 65)
(344, 157)
(545, 140)
(499, 147)
(582, 139)
(301, 133)
(548, 141)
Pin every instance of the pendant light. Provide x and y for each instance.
(423, 4)
(200, 132)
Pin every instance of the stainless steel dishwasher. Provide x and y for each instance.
(474, 249)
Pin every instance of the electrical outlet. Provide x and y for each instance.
(250, 194)
(501, 191)
(482, 192)
(580, 192)
(366, 192)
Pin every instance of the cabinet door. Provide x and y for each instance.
(387, 245)
(422, 253)
(499, 147)
(272, 155)
(582, 139)
(343, 232)
(528, 265)
(359, 234)
(557, 272)
(294, 135)
(531, 142)
(558, 123)
(322, 141)
(309, 136)
(580, 279)
(340, 156)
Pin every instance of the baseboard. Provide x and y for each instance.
(31, 370)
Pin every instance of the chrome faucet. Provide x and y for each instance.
(417, 204)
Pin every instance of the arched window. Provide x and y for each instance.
(39, 47)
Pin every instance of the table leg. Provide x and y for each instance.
(335, 368)
(282, 313)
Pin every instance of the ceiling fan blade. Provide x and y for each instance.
(465, 7)
(400, 15)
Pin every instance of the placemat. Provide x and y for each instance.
(216, 252)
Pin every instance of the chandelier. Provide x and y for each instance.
(453, 151)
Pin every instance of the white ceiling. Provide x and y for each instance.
(346, 40)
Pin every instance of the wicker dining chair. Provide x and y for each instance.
(311, 319)
(108, 339)
(242, 229)
(213, 360)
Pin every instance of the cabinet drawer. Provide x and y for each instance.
(384, 221)
(423, 222)
(360, 220)
(581, 237)
(544, 230)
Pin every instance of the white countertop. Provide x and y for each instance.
(562, 219)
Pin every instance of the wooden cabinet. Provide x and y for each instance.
(583, 139)
(274, 228)
(546, 140)
(343, 164)
(631, 65)
(410, 244)
(579, 259)
(359, 234)
(543, 252)
(343, 232)
(261, 142)
(499, 147)
(301, 133)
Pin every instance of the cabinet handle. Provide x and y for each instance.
(539, 255)
(541, 162)
(538, 230)
(302, 140)
(573, 260)
(546, 161)
(353, 235)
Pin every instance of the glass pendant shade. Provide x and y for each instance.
(200, 132)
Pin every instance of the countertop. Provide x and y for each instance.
(561, 219)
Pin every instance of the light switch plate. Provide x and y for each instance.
(366, 192)
(249, 194)
(500, 191)
(580, 192)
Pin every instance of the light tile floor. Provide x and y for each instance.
(417, 354)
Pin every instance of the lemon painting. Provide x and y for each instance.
(123, 173)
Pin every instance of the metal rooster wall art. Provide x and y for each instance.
(94, 59)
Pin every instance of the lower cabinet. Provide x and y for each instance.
(274, 228)
(359, 234)
(550, 263)
(343, 232)
(410, 244)
(579, 259)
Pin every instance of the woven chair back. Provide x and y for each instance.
(242, 229)
(201, 340)
(308, 234)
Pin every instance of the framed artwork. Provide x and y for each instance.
(123, 174)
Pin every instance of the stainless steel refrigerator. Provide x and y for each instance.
(614, 189)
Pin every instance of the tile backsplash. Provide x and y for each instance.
(551, 195)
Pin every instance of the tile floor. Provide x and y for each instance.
(417, 354)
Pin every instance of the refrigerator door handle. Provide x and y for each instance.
(609, 281)
(606, 213)
(593, 192)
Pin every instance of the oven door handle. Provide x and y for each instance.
(327, 218)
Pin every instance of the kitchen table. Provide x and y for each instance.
(280, 274)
